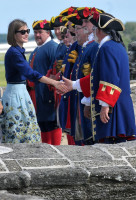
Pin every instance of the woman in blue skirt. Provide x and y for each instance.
(19, 124)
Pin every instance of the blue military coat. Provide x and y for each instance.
(45, 55)
(63, 107)
(87, 56)
(112, 70)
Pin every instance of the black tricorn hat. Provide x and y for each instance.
(75, 19)
(57, 21)
(105, 21)
(68, 11)
(84, 12)
(41, 24)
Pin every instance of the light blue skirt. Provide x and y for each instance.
(19, 124)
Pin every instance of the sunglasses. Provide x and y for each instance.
(23, 31)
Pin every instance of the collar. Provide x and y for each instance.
(90, 38)
(22, 50)
(48, 39)
(105, 39)
(61, 41)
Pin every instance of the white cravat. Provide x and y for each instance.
(48, 39)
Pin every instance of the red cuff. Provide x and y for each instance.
(85, 85)
(108, 93)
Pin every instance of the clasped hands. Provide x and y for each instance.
(67, 84)
(104, 112)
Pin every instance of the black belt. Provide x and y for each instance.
(21, 82)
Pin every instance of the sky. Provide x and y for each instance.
(32, 10)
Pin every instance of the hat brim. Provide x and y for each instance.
(107, 22)
(73, 18)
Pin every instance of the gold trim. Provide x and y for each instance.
(111, 85)
(66, 10)
(33, 25)
(72, 15)
(90, 17)
(82, 8)
(112, 91)
(93, 119)
(111, 20)
(104, 88)
(99, 11)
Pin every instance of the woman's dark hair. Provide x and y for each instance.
(14, 26)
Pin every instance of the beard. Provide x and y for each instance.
(95, 37)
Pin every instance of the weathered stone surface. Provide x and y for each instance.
(40, 163)
(132, 46)
(14, 180)
(61, 176)
(132, 56)
(21, 151)
(4, 195)
(99, 171)
(12, 165)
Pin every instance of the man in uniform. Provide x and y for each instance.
(112, 113)
(40, 60)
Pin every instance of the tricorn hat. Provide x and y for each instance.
(68, 11)
(105, 21)
(41, 24)
(75, 19)
(84, 12)
(57, 21)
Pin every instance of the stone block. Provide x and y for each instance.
(12, 165)
(132, 46)
(41, 163)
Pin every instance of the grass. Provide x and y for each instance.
(2, 71)
(3, 82)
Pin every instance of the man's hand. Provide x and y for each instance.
(1, 107)
(68, 83)
(104, 114)
(87, 112)
(61, 87)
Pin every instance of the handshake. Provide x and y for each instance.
(67, 86)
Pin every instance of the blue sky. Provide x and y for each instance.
(30, 10)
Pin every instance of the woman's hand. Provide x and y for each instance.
(61, 87)
(104, 114)
(1, 107)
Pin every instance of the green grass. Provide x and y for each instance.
(2, 70)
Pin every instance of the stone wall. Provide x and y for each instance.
(67, 172)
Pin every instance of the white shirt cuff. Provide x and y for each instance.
(86, 101)
(102, 103)
(76, 85)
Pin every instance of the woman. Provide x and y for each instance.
(19, 124)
